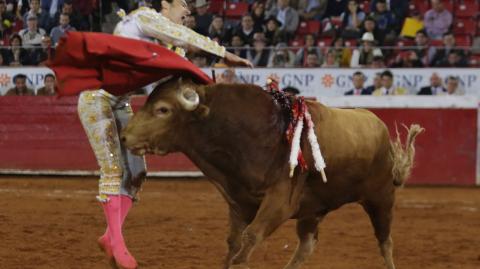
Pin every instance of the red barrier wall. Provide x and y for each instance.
(44, 133)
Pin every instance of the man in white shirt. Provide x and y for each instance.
(32, 36)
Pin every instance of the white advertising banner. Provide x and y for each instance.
(312, 82)
(34, 75)
(316, 82)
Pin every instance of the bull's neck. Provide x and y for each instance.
(239, 136)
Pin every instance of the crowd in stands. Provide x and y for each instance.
(272, 33)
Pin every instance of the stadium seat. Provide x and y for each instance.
(325, 42)
(466, 9)
(474, 61)
(464, 26)
(217, 6)
(314, 27)
(302, 28)
(436, 43)
(463, 40)
(420, 6)
(365, 6)
(296, 43)
(405, 43)
(236, 10)
(351, 43)
(449, 5)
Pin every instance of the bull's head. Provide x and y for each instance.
(155, 128)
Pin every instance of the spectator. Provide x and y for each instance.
(51, 7)
(358, 80)
(370, 26)
(247, 29)
(273, 32)
(291, 91)
(41, 55)
(352, 20)
(377, 83)
(217, 30)
(191, 22)
(16, 55)
(422, 49)
(452, 86)
(344, 54)
(310, 46)
(287, 16)
(437, 20)
(398, 7)
(238, 46)
(441, 55)
(378, 62)
(228, 77)
(49, 87)
(407, 59)
(32, 36)
(312, 9)
(259, 54)
(203, 17)
(312, 60)
(412, 25)
(454, 59)
(6, 20)
(61, 29)
(77, 20)
(43, 19)
(364, 55)
(335, 8)
(435, 87)
(282, 57)
(200, 60)
(331, 60)
(20, 88)
(258, 14)
(388, 87)
(385, 21)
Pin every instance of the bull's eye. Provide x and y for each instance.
(163, 111)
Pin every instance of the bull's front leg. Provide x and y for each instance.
(275, 209)
(234, 240)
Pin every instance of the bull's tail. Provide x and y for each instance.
(403, 156)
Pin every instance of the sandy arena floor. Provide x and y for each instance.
(54, 223)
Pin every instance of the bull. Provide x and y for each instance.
(235, 134)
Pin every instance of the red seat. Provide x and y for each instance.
(325, 42)
(405, 43)
(365, 6)
(217, 6)
(236, 10)
(302, 28)
(351, 43)
(420, 5)
(466, 9)
(464, 26)
(474, 61)
(449, 5)
(297, 42)
(314, 27)
(463, 40)
(436, 43)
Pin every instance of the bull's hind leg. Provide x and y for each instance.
(274, 210)
(307, 232)
(380, 214)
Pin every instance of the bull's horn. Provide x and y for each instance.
(188, 98)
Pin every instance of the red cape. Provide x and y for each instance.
(86, 61)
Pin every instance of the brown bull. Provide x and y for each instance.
(235, 134)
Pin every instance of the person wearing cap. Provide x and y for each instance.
(364, 55)
(203, 17)
(43, 18)
(103, 116)
(20, 89)
(273, 32)
(32, 36)
(286, 15)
